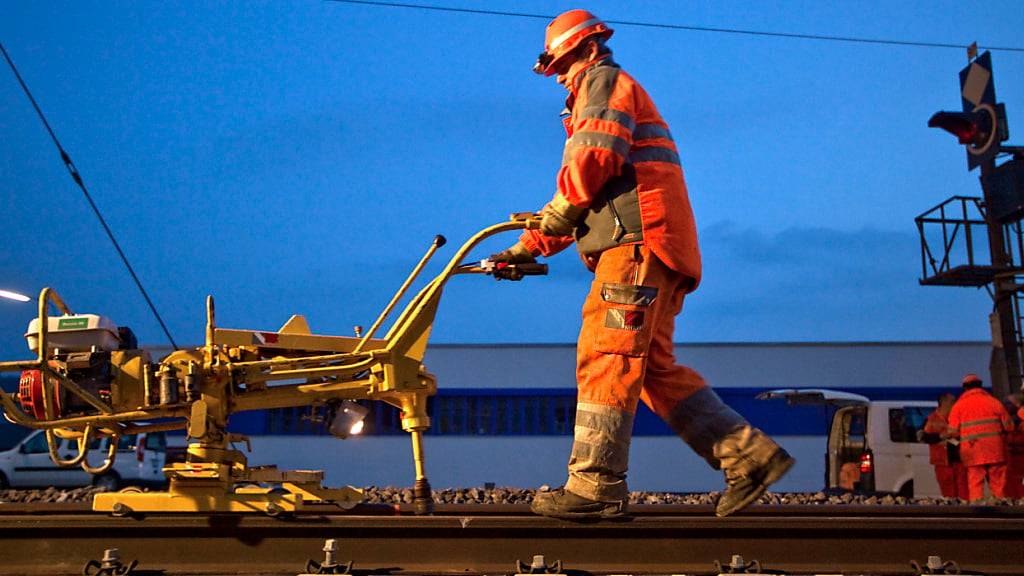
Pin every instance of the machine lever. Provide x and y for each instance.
(506, 270)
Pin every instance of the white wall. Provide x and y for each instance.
(656, 463)
(728, 364)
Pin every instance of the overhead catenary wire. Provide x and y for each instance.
(77, 177)
(791, 35)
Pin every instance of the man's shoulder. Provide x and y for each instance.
(599, 82)
(602, 72)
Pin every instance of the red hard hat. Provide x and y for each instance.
(564, 34)
(970, 378)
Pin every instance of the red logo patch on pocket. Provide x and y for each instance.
(632, 320)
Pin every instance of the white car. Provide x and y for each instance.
(140, 461)
(873, 446)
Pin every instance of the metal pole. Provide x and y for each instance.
(423, 498)
(1003, 383)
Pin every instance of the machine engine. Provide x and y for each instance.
(87, 350)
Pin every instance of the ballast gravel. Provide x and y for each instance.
(392, 495)
(502, 495)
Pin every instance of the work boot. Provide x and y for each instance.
(743, 490)
(564, 504)
(752, 461)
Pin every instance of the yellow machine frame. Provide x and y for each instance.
(232, 372)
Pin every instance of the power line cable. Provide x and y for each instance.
(792, 35)
(77, 177)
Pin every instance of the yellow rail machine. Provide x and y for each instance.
(89, 380)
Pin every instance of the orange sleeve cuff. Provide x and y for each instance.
(538, 243)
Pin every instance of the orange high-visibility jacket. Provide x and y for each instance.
(621, 164)
(981, 422)
(938, 453)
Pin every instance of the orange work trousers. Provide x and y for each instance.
(625, 354)
(625, 351)
(952, 479)
(976, 476)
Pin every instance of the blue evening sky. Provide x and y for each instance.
(298, 157)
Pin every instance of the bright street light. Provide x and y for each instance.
(14, 296)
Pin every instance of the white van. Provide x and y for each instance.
(140, 461)
(872, 446)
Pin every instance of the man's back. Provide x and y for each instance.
(982, 422)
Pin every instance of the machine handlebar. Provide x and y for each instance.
(530, 220)
(505, 270)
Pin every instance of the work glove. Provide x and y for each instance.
(558, 218)
(516, 254)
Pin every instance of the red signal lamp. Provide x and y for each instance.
(963, 125)
(980, 130)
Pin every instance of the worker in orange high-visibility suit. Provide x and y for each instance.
(622, 198)
(943, 455)
(980, 422)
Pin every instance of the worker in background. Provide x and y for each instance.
(1015, 447)
(622, 198)
(944, 454)
(980, 423)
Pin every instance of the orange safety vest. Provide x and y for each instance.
(621, 164)
(981, 422)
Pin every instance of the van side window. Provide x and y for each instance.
(156, 441)
(905, 422)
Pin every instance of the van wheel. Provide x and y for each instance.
(108, 482)
(907, 489)
(4, 484)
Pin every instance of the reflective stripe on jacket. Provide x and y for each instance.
(981, 422)
(621, 164)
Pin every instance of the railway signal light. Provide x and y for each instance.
(971, 128)
(982, 124)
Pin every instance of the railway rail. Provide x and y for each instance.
(490, 539)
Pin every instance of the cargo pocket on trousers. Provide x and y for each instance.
(627, 319)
